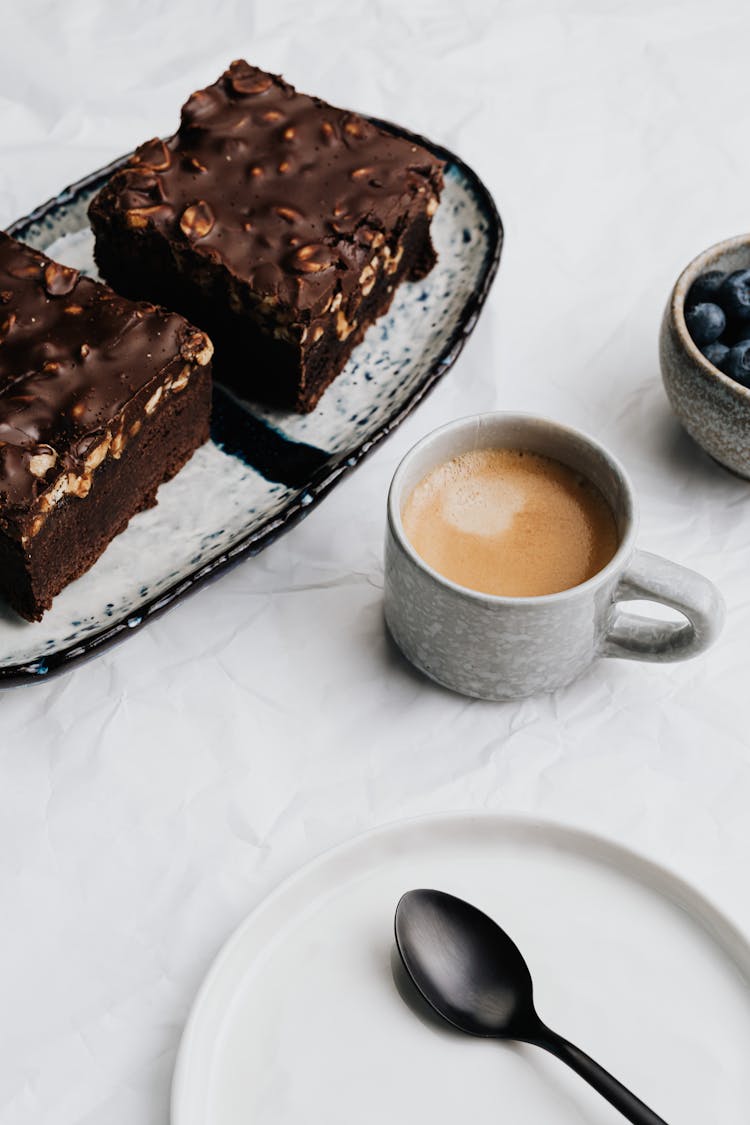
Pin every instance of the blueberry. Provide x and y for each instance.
(736, 332)
(734, 295)
(736, 363)
(715, 353)
(705, 323)
(705, 288)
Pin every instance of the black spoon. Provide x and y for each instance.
(473, 975)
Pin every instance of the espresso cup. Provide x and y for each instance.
(500, 648)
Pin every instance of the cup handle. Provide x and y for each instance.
(651, 578)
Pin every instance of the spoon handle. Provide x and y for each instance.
(616, 1094)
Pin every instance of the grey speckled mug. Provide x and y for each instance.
(507, 648)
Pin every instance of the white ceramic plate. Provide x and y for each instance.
(299, 1020)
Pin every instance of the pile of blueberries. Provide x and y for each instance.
(717, 315)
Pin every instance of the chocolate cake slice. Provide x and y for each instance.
(279, 224)
(101, 400)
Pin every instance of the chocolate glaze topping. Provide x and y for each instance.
(72, 355)
(284, 190)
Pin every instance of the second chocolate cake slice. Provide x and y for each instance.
(101, 400)
(279, 224)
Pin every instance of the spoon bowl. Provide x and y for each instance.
(443, 942)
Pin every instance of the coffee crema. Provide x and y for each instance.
(510, 522)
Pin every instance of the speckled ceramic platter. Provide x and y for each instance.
(263, 469)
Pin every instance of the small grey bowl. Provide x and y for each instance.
(714, 409)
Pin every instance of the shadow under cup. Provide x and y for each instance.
(495, 647)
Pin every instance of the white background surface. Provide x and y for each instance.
(149, 799)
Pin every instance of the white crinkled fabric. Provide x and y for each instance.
(149, 799)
